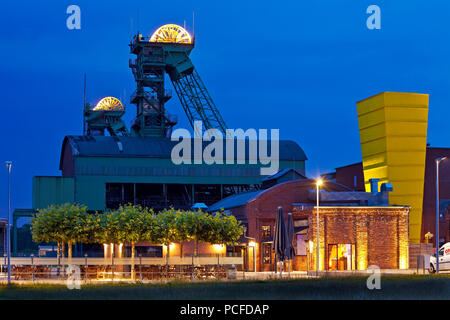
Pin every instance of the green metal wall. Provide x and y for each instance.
(92, 173)
(52, 190)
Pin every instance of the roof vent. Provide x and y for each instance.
(119, 144)
(374, 185)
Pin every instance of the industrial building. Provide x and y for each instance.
(393, 136)
(111, 164)
(357, 229)
(346, 175)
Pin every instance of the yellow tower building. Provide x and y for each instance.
(393, 133)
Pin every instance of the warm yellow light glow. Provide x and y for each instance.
(403, 262)
(319, 182)
(311, 246)
(252, 243)
(171, 33)
(109, 104)
(218, 247)
(105, 250)
(112, 249)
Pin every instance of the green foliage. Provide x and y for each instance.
(227, 229)
(61, 223)
(71, 223)
(127, 224)
(199, 225)
(165, 227)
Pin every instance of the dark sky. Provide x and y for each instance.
(299, 66)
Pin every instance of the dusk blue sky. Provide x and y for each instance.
(299, 66)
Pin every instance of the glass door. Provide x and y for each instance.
(341, 257)
(332, 257)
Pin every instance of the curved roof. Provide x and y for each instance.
(152, 147)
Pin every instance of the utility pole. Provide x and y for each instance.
(8, 230)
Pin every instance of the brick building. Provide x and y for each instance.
(357, 229)
(346, 175)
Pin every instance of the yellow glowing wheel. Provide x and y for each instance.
(171, 33)
(109, 104)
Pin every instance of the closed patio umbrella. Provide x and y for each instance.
(280, 239)
(290, 252)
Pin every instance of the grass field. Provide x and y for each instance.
(392, 287)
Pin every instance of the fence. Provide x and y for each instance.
(145, 268)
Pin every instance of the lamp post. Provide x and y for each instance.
(438, 161)
(252, 244)
(8, 230)
(318, 184)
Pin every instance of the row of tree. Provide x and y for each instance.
(71, 223)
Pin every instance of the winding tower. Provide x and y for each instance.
(167, 51)
(106, 115)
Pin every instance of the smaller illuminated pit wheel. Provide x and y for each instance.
(171, 33)
(109, 104)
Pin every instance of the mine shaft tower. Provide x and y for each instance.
(167, 52)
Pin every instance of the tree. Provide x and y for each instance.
(60, 224)
(108, 227)
(133, 224)
(73, 220)
(227, 229)
(182, 232)
(164, 231)
(199, 226)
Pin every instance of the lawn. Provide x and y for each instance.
(392, 287)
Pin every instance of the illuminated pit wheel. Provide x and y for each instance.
(109, 104)
(171, 33)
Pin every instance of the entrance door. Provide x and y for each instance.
(341, 257)
(251, 259)
(267, 256)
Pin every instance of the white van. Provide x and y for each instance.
(444, 259)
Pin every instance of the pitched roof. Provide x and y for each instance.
(235, 200)
(282, 173)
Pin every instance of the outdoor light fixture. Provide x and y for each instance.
(218, 247)
(438, 161)
(8, 230)
(252, 244)
(319, 182)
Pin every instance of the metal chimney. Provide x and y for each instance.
(374, 185)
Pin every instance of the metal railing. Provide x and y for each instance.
(112, 272)
(145, 268)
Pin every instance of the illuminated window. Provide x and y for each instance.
(266, 232)
(301, 245)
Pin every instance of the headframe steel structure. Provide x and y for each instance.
(106, 115)
(167, 52)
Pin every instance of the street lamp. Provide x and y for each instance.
(252, 244)
(438, 161)
(8, 230)
(318, 184)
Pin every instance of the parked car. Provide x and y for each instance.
(444, 259)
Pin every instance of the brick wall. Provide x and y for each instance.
(419, 249)
(380, 235)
